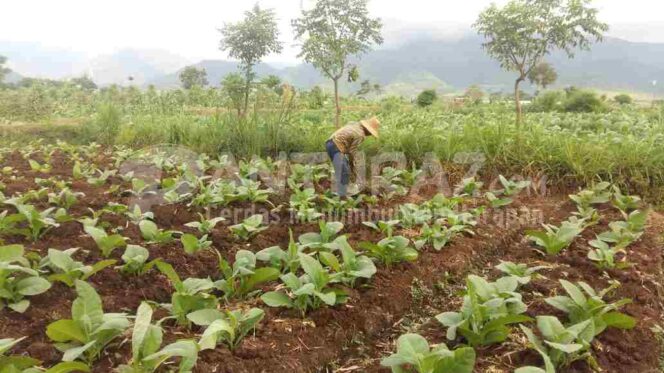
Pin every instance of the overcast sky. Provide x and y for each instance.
(189, 28)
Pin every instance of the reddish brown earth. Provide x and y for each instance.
(355, 336)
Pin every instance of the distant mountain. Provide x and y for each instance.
(420, 61)
(215, 69)
(454, 64)
(139, 64)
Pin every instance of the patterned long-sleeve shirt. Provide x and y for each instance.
(348, 140)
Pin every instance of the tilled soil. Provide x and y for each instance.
(352, 337)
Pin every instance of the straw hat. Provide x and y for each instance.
(371, 125)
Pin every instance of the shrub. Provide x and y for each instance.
(580, 101)
(427, 98)
(548, 101)
(623, 99)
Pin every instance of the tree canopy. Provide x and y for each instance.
(521, 33)
(333, 31)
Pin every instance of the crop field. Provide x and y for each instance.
(150, 260)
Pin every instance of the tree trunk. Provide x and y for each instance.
(337, 117)
(517, 99)
(246, 96)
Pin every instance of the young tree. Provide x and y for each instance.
(522, 32)
(249, 41)
(426, 98)
(233, 86)
(192, 76)
(3, 70)
(84, 82)
(474, 94)
(543, 75)
(333, 31)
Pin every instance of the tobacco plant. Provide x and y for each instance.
(26, 364)
(584, 303)
(242, 278)
(391, 250)
(228, 328)
(135, 260)
(521, 272)
(37, 222)
(151, 233)
(624, 203)
(351, 267)
(105, 242)
(488, 310)
(555, 239)
(193, 244)
(86, 334)
(283, 260)
(190, 295)
(321, 241)
(249, 227)
(204, 225)
(384, 227)
(415, 355)
(18, 280)
(67, 270)
(146, 341)
(559, 346)
(411, 215)
(309, 291)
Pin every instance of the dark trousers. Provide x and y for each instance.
(341, 167)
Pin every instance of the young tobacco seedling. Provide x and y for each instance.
(145, 342)
(468, 187)
(604, 255)
(624, 233)
(591, 306)
(302, 202)
(521, 272)
(243, 277)
(228, 328)
(65, 199)
(102, 177)
(414, 351)
(250, 191)
(391, 250)
(37, 167)
(560, 346)
(283, 260)
(38, 223)
(190, 295)
(351, 267)
(153, 234)
(17, 279)
(488, 310)
(438, 234)
(384, 227)
(321, 241)
(306, 292)
(84, 336)
(511, 188)
(135, 260)
(497, 202)
(554, 239)
(411, 215)
(66, 270)
(193, 244)
(624, 203)
(598, 194)
(204, 225)
(25, 364)
(249, 227)
(136, 215)
(106, 243)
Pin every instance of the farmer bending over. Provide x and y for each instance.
(342, 147)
